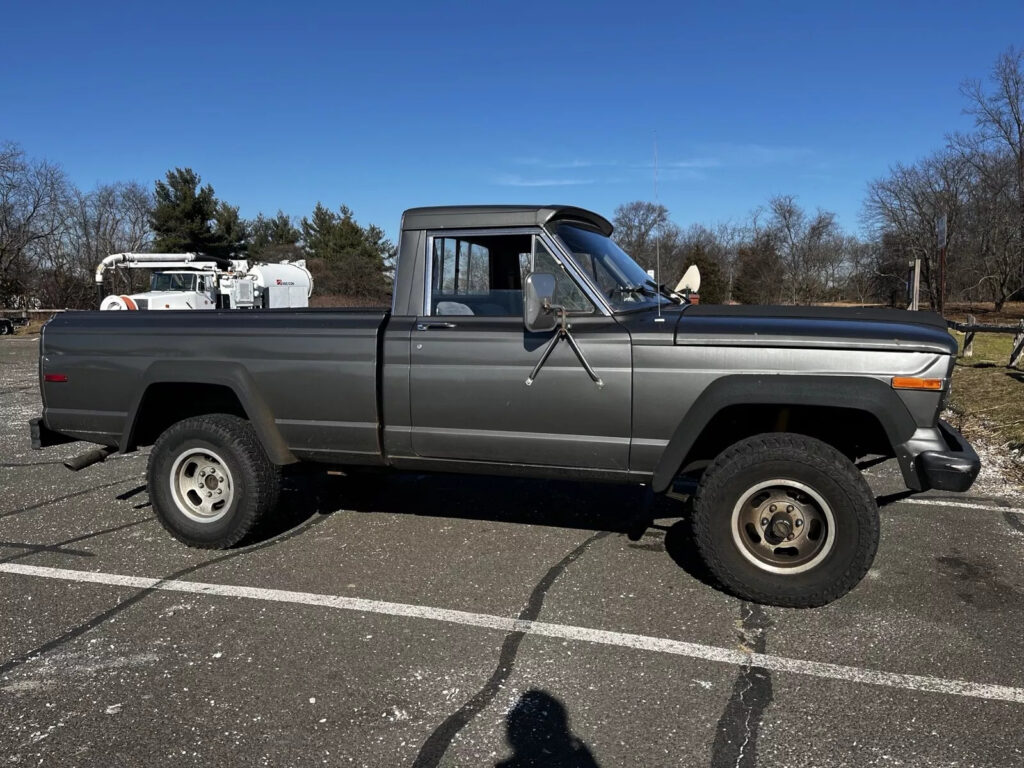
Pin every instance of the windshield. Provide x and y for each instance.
(172, 281)
(622, 281)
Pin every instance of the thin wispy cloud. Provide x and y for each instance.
(760, 154)
(688, 163)
(696, 162)
(563, 164)
(705, 160)
(684, 173)
(515, 180)
(577, 164)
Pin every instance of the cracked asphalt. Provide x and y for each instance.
(102, 674)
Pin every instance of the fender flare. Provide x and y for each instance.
(859, 393)
(216, 372)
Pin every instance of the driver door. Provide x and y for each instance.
(471, 356)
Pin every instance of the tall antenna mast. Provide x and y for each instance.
(657, 234)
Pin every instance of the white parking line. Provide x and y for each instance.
(961, 505)
(546, 629)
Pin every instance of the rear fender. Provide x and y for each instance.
(235, 377)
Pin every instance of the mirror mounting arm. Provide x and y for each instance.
(562, 332)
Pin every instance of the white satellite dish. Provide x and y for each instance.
(690, 282)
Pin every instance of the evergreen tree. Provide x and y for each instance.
(274, 239)
(758, 273)
(714, 289)
(230, 232)
(188, 217)
(354, 259)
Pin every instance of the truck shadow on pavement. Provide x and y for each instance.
(656, 524)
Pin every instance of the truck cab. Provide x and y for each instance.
(170, 289)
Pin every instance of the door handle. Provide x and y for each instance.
(433, 326)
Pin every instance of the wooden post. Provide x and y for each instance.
(969, 338)
(1018, 346)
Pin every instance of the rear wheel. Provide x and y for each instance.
(786, 520)
(210, 480)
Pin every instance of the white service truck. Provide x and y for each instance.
(196, 281)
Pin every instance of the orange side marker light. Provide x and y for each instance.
(912, 382)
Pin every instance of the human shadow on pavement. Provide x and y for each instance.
(537, 730)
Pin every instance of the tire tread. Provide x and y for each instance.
(791, 447)
(262, 476)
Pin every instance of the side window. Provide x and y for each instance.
(477, 274)
(567, 292)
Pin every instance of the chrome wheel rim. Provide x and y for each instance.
(783, 526)
(201, 485)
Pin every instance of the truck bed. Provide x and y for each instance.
(312, 373)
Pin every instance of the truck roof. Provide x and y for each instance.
(487, 216)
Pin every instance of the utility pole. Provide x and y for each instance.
(915, 284)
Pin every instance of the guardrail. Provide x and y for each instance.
(972, 327)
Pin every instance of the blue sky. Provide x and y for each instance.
(383, 106)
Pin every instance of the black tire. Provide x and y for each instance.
(6, 327)
(730, 550)
(221, 444)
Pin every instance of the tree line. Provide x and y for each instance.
(783, 253)
(52, 234)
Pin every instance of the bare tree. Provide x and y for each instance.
(995, 151)
(109, 219)
(809, 247)
(32, 192)
(999, 114)
(906, 203)
(990, 261)
(641, 227)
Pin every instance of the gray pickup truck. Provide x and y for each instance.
(522, 340)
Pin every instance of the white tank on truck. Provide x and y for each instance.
(285, 284)
(195, 281)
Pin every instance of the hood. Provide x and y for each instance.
(154, 295)
(158, 300)
(816, 327)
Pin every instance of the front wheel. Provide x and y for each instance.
(786, 520)
(210, 480)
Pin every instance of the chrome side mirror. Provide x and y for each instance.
(538, 293)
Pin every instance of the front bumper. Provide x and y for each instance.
(953, 468)
(43, 436)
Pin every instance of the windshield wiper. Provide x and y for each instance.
(626, 289)
(661, 290)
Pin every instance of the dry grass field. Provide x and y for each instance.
(988, 396)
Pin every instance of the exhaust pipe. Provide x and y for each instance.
(88, 459)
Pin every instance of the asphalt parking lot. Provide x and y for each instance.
(415, 620)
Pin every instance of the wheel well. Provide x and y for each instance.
(168, 403)
(851, 431)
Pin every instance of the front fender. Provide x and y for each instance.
(860, 393)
